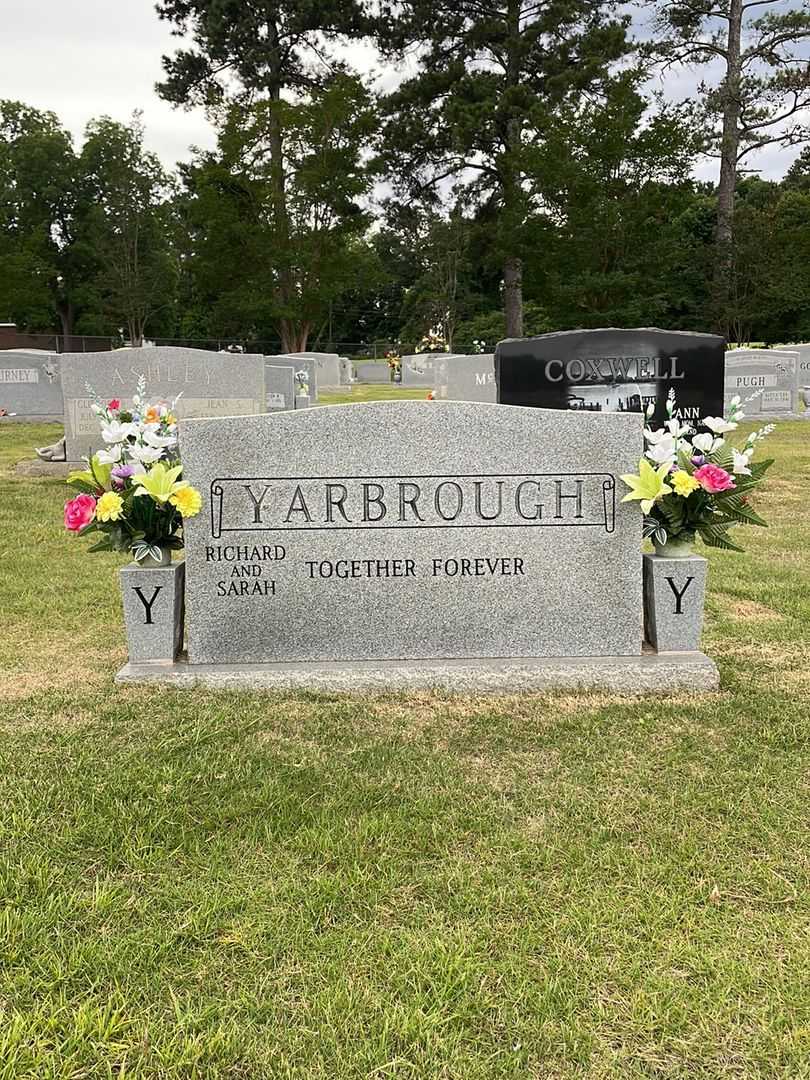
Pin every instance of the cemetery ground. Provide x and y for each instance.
(424, 886)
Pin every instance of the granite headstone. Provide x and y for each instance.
(614, 370)
(30, 384)
(279, 387)
(346, 371)
(466, 378)
(804, 373)
(300, 362)
(412, 530)
(211, 384)
(373, 373)
(328, 367)
(418, 370)
(767, 380)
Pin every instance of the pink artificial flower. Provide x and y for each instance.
(713, 479)
(114, 405)
(79, 512)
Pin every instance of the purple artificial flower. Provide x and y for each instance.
(698, 460)
(121, 474)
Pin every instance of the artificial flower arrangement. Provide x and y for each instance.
(479, 346)
(690, 484)
(394, 361)
(302, 379)
(432, 342)
(132, 492)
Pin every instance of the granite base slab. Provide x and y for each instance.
(649, 673)
(35, 467)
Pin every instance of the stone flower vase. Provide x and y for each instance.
(149, 561)
(674, 595)
(154, 607)
(680, 548)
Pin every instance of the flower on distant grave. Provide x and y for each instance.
(714, 479)
(160, 482)
(109, 507)
(718, 425)
(187, 500)
(741, 462)
(648, 486)
(79, 512)
(683, 484)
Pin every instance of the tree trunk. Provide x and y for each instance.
(66, 315)
(512, 218)
(729, 149)
(513, 296)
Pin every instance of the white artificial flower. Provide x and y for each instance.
(152, 439)
(735, 400)
(707, 444)
(111, 456)
(146, 455)
(718, 425)
(116, 432)
(663, 451)
(655, 435)
(740, 467)
(677, 429)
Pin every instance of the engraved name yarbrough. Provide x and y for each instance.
(251, 504)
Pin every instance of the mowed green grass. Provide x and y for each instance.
(450, 888)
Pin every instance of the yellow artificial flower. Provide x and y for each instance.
(109, 507)
(648, 486)
(683, 483)
(160, 482)
(187, 500)
(152, 415)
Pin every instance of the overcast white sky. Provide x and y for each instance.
(86, 58)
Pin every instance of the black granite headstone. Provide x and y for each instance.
(614, 370)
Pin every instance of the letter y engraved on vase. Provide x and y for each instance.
(147, 604)
(679, 595)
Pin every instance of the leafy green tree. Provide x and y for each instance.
(491, 78)
(260, 61)
(285, 282)
(610, 247)
(126, 225)
(39, 267)
(759, 100)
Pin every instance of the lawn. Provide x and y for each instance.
(224, 885)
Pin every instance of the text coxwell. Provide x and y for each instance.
(621, 369)
(412, 502)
